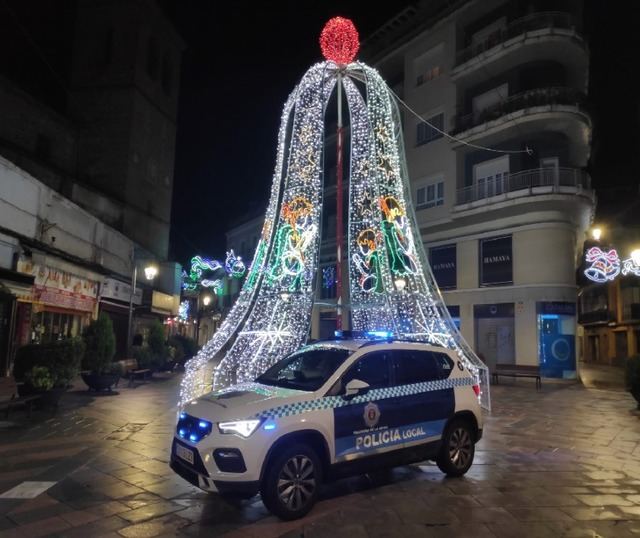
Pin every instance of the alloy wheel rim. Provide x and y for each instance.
(460, 447)
(296, 482)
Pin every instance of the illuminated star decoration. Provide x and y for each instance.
(339, 41)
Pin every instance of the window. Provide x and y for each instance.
(415, 367)
(630, 296)
(496, 261)
(490, 177)
(443, 266)
(426, 133)
(428, 65)
(430, 195)
(329, 288)
(373, 369)
(307, 369)
(429, 75)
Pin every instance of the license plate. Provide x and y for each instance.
(184, 453)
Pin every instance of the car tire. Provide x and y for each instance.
(458, 448)
(291, 481)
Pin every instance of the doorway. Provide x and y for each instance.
(495, 333)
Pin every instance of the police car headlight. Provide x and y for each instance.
(242, 427)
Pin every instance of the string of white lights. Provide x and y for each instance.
(280, 316)
(527, 149)
(199, 371)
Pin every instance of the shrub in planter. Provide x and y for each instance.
(157, 347)
(633, 377)
(98, 355)
(61, 359)
(186, 348)
(100, 345)
(142, 354)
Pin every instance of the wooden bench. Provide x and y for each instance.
(131, 371)
(9, 396)
(517, 370)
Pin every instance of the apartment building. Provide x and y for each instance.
(503, 226)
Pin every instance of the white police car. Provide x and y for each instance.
(333, 408)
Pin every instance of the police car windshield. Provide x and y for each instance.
(307, 369)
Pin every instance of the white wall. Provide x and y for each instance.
(31, 209)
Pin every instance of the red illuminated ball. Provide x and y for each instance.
(339, 41)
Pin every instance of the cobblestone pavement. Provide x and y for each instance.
(561, 462)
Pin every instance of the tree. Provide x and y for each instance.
(100, 345)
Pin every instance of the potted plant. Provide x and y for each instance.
(157, 347)
(100, 373)
(632, 377)
(48, 369)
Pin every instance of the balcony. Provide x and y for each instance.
(547, 34)
(526, 183)
(538, 97)
(596, 316)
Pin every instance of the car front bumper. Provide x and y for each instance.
(197, 474)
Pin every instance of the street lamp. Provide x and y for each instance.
(150, 272)
(206, 300)
(635, 256)
(596, 233)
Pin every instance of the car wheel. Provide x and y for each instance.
(457, 450)
(291, 482)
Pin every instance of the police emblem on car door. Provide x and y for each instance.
(359, 423)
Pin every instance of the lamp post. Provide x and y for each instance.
(150, 272)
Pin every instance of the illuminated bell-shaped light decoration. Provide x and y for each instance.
(339, 41)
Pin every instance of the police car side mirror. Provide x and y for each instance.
(354, 388)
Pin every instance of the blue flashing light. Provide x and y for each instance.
(269, 426)
(193, 438)
(182, 433)
(183, 416)
(202, 424)
(379, 334)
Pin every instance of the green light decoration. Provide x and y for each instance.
(201, 267)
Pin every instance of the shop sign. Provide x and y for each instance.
(120, 291)
(162, 303)
(443, 266)
(496, 261)
(556, 307)
(56, 287)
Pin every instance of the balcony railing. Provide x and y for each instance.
(556, 95)
(529, 23)
(524, 180)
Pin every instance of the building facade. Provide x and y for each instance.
(609, 297)
(109, 142)
(503, 226)
(88, 101)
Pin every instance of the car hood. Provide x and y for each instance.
(241, 401)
